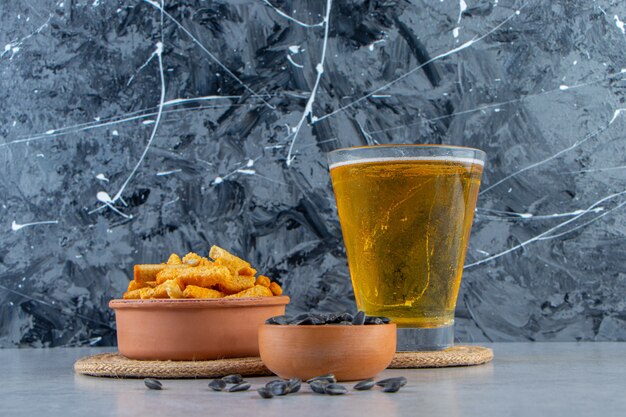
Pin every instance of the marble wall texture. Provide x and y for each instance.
(131, 129)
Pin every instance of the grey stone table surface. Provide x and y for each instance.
(525, 379)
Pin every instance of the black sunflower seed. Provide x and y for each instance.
(298, 318)
(153, 383)
(233, 379)
(318, 387)
(277, 320)
(400, 379)
(364, 385)
(332, 318)
(335, 389)
(217, 385)
(294, 385)
(359, 318)
(264, 392)
(244, 386)
(272, 382)
(319, 318)
(373, 320)
(393, 386)
(279, 388)
(329, 378)
(345, 317)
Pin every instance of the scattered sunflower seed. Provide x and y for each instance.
(328, 378)
(153, 383)
(335, 389)
(273, 382)
(233, 379)
(279, 388)
(294, 385)
(244, 386)
(393, 386)
(364, 385)
(359, 318)
(217, 385)
(400, 379)
(318, 387)
(264, 392)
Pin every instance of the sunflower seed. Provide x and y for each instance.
(217, 385)
(345, 317)
(318, 387)
(359, 318)
(273, 382)
(365, 385)
(392, 386)
(153, 383)
(335, 389)
(298, 318)
(373, 320)
(319, 318)
(233, 379)
(244, 386)
(277, 320)
(400, 379)
(294, 385)
(329, 378)
(264, 392)
(279, 388)
(332, 318)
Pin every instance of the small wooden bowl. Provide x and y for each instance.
(192, 329)
(349, 352)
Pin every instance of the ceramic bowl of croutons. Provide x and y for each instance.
(192, 329)
(195, 308)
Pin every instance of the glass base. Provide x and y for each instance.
(419, 339)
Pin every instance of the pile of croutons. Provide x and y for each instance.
(194, 276)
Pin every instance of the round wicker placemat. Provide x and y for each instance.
(454, 356)
(117, 366)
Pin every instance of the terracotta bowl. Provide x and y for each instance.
(192, 329)
(349, 352)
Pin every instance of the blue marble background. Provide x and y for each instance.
(129, 130)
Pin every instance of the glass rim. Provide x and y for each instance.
(477, 156)
(410, 145)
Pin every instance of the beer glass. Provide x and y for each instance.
(406, 213)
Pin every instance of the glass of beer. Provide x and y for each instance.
(406, 213)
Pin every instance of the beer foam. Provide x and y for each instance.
(469, 161)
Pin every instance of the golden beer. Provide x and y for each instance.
(406, 223)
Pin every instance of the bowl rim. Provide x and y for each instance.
(327, 326)
(177, 303)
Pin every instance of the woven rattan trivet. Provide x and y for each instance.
(117, 366)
